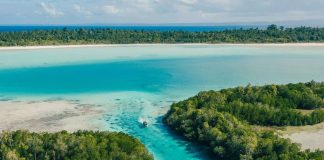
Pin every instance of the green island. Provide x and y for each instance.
(24, 145)
(272, 34)
(229, 123)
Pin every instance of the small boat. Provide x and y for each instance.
(145, 124)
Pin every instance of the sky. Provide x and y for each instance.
(69, 12)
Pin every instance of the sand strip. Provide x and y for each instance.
(310, 137)
(49, 116)
(160, 44)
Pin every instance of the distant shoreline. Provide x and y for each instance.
(165, 44)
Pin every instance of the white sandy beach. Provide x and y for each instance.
(48, 116)
(160, 44)
(311, 137)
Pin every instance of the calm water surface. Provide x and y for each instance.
(137, 83)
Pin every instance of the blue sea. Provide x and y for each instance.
(137, 28)
(136, 82)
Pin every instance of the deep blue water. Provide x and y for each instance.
(136, 88)
(145, 28)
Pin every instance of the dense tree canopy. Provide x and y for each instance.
(221, 119)
(272, 34)
(80, 145)
(266, 105)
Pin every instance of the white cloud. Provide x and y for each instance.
(163, 11)
(110, 9)
(145, 5)
(51, 10)
(81, 10)
(189, 1)
(77, 8)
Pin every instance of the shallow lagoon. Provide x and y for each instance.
(140, 82)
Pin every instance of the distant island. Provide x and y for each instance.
(236, 123)
(65, 36)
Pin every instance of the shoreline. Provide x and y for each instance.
(308, 136)
(49, 116)
(163, 44)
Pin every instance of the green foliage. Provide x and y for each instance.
(272, 34)
(267, 105)
(217, 119)
(81, 145)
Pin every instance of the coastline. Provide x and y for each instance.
(49, 116)
(164, 44)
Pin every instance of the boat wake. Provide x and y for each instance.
(143, 121)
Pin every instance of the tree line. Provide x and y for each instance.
(81, 145)
(221, 120)
(273, 34)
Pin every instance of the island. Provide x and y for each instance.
(237, 123)
(65, 36)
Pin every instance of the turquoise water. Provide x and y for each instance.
(136, 82)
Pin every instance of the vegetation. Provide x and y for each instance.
(221, 120)
(272, 34)
(81, 145)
